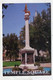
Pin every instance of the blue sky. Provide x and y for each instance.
(14, 16)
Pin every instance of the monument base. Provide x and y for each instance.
(28, 55)
(28, 66)
(26, 49)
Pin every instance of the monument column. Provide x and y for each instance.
(34, 58)
(21, 58)
(25, 58)
(27, 51)
(26, 30)
(27, 14)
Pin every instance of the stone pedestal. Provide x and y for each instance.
(25, 58)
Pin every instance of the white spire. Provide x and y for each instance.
(36, 13)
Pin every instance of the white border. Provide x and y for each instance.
(25, 77)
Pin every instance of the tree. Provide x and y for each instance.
(22, 38)
(4, 6)
(10, 43)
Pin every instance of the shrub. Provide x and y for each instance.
(15, 69)
(36, 64)
(40, 68)
(29, 70)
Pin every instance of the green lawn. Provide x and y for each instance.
(12, 63)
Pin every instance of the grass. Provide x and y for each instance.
(12, 63)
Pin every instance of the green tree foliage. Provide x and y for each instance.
(22, 38)
(10, 43)
(4, 6)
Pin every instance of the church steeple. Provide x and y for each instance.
(36, 13)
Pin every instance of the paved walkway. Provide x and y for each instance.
(45, 64)
(32, 65)
(8, 67)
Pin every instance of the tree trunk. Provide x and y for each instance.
(10, 58)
